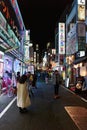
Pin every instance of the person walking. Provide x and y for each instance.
(14, 83)
(29, 81)
(18, 76)
(1, 80)
(46, 77)
(23, 100)
(56, 82)
(34, 80)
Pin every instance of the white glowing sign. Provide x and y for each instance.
(26, 53)
(61, 38)
(27, 43)
(81, 2)
(1, 56)
(27, 35)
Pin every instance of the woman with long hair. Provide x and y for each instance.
(23, 100)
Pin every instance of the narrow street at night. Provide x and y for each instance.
(43, 65)
(69, 112)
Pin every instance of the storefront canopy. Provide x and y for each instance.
(81, 59)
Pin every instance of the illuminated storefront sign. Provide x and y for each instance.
(26, 53)
(1, 63)
(1, 56)
(2, 21)
(61, 38)
(8, 63)
(6, 11)
(81, 2)
(54, 51)
(34, 57)
(17, 65)
(7, 33)
(28, 36)
(16, 9)
(26, 46)
(81, 10)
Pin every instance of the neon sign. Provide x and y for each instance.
(16, 9)
(61, 38)
(5, 9)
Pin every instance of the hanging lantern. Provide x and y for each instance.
(83, 71)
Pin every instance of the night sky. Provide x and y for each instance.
(40, 16)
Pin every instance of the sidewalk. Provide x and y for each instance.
(82, 94)
(4, 101)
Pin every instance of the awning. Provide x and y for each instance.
(80, 59)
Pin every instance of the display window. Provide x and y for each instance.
(1, 69)
(1, 63)
(8, 64)
(16, 65)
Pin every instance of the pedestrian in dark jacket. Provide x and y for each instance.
(18, 76)
(34, 80)
(56, 83)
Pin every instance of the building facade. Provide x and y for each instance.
(11, 38)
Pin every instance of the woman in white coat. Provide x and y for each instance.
(23, 100)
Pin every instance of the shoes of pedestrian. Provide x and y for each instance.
(23, 110)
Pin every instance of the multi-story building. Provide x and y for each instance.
(11, 37)
(75, 42)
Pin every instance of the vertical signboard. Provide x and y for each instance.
(1, 63)
(61, 38)
(81, 26)
(26, 45)
(81, 36)
(71, 41)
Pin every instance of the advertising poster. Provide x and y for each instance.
(81, 12)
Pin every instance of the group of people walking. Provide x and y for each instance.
(23, 84)
(23, 89)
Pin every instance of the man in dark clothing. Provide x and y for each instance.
(56, 82)
(18, 76)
